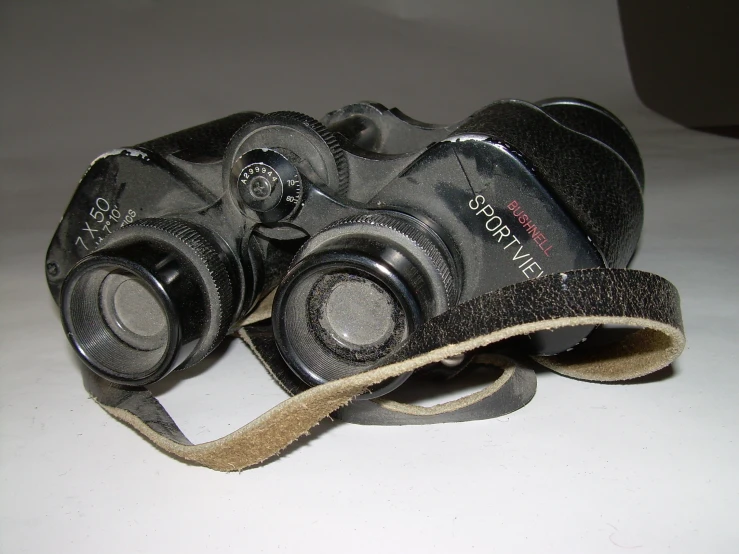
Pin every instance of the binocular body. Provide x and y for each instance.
(368, 224)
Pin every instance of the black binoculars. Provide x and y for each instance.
(367, 223)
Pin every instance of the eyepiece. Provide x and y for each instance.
(356, 292)
(132, 311)
(159, 296)
(118, 342)
(357, 327)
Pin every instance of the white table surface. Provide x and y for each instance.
(583, 468)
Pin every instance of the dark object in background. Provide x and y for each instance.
(166, 247)
(683, 58)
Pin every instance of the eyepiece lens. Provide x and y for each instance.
(360, 313)
(339, 320)
(355, 316)
(117, 324)
(132, 312)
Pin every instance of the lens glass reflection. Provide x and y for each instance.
(132, 312)
(359, 313)
(116, 322)
(354, 317)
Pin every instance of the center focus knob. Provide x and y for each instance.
(267, 183)
(260, 187)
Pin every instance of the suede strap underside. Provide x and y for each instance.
(622, 297)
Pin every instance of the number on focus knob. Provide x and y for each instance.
(268, 183)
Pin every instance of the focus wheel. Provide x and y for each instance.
(299, 139)
(189, 241)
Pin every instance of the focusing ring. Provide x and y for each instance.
(328, 138)
(433, 249)
(421, 243)
(214, 270)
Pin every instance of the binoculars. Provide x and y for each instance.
(365, 225)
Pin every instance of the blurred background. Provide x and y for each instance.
(81, 77)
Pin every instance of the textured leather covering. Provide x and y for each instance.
(640, 300)
(590, 180)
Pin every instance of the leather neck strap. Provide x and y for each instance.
(585, 297)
